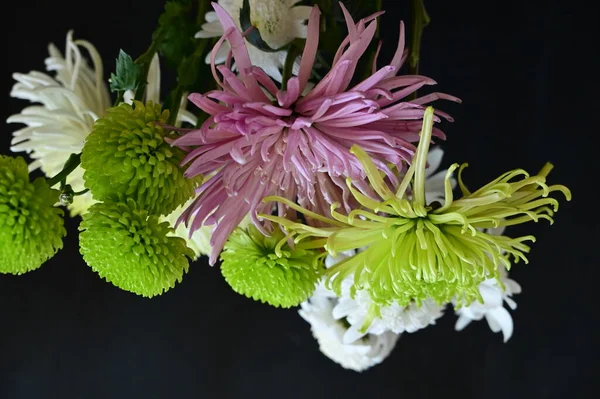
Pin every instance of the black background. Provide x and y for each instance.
(526, 74)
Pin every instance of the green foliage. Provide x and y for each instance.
(130, 248)
(177, 27)
(126, 156)
(252, 268)
(128, 73)
(31, 228)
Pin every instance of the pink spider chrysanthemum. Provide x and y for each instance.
(260, 140)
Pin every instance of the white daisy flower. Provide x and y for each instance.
(359, 355)
(279, 22)
(70, 102)
(492, 308)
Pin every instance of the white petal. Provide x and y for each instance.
(301, 13)
(511, 303)
(300, 29)
(128, 96)
(221, 55)
(496, 231)
(330, 260)
(153, 87)
(461, 323)
(353, 334)
(186, 116)
(210, 29)
(211, 16)
(499, 319)
(434, 159)
(512, 287)
(344, 307)
(492, 296)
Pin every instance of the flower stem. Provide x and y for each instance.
(420, 159)
(420, 21)
(288, 67)
(187, 71)
(119, 99)
(71, 164)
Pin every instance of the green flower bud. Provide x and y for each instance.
(126, 156)
(31, 228)
(255, 266)
(130, 248)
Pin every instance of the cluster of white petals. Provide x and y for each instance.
(278, 21)
(492, 308)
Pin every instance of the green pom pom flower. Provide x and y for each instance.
(126, 156)
(31, 228)
(267, 270)
(130, 248)
(418, 250)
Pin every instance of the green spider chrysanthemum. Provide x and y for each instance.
(126, 156)
(267, 269)
(130, 248)
(418, 250)
(31, 227)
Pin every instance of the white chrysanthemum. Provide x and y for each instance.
(357, 311)
(278, 21)
(70, 102)
(329, 333)
(492, 308)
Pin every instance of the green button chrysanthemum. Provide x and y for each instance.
(126, 156)
(416, 250)
(267, 270)
(31, 227)
(130, 248)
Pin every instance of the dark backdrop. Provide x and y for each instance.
(525, 73)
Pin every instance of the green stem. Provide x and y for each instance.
(145, 60)
(202, 8)
(293, 52)
(76, 193)
(378, 7)
(189, 66)
(71, 164)
(420, 21)
(175, 104)
(119, 99)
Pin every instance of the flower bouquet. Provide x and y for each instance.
(303, 165)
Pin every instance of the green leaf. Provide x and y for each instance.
(128, 73)
(177, 25)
